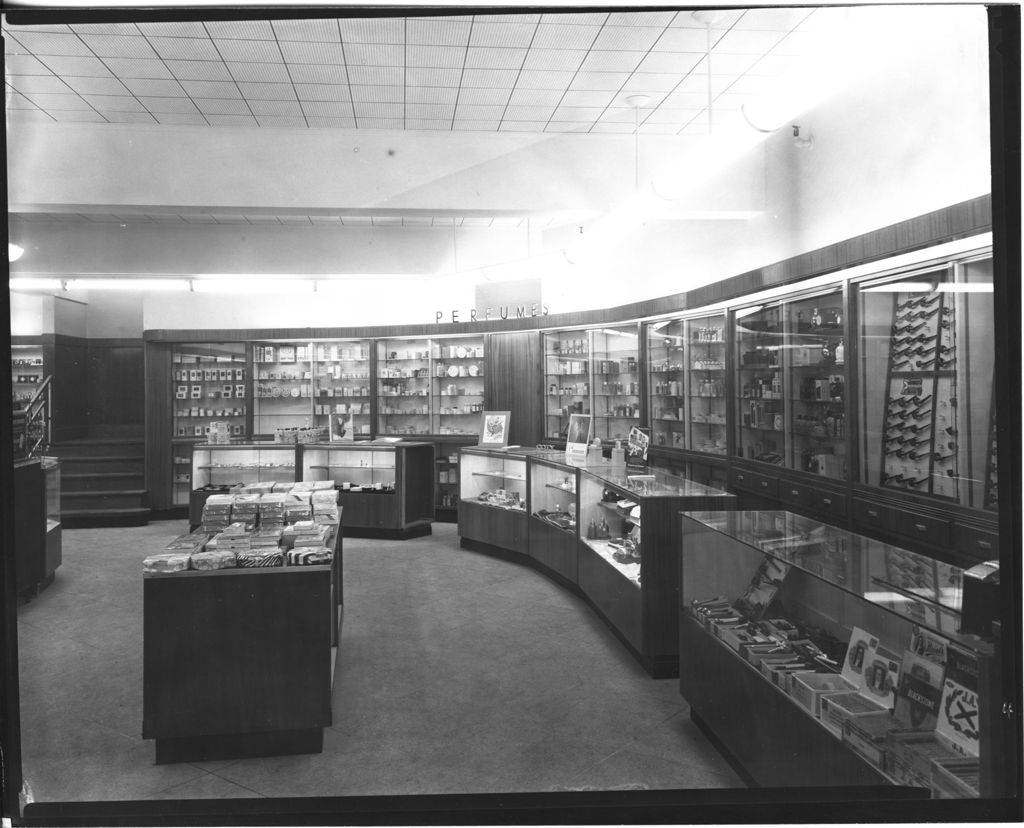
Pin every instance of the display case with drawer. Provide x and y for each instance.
(844, 653)
(628, 527)
(493, 495)
(385, 490)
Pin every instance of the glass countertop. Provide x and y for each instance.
(651, 482)
(926, 591)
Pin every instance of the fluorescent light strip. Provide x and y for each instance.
(127, 284)
(34, 283)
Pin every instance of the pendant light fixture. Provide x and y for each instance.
(708, 17)
(636, 101)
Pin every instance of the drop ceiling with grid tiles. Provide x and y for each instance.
(547, 72)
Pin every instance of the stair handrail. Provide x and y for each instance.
(38, 412)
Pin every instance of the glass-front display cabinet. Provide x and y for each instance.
(403, 386)
(282, 387)
(856, 658)
(554, 504)
(457, 389)
(615, 354)
(27, 373)
(687, 384)
(791, 385)
(926, 374)
(342, 388)
(628, 563)
(566, 379)
(214, 467)
(493, 492)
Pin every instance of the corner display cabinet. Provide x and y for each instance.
(492, 505)
(628, 561)
(386, 489)
(858, 661)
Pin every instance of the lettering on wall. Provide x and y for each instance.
(487, 314)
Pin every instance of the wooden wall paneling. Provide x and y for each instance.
(70, 388)
(513, 381)
(158, 425)
(116, 388)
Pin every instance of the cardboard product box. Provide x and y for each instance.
(808, 688)
(903, 773)
(755, 650)
(805, 355)
(735, 636)
(956, 779)
(868, 736)
(917, 750)
(838, 708)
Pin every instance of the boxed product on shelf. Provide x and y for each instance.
(266, 536)
(914, 751)
(272, 509)
(253, 558)
(839, 708)
(214, 559)
(808, 688)
(956, 778)
(868, 735)
(162, 562)
(310, 556)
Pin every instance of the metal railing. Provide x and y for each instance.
(33, 424)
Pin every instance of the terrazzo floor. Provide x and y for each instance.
(457, 673)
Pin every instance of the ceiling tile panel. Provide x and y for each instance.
(184, 48)
(17, 101)
(558, 59)
(211, 89)
(623, 115)
(168, 29)
(444, 56)
(322, 92)
(42, 27)
(726, 19)
(333, 221)
(376, 75)
(168, 105)
(507, 18)
(97, 86)
(306, 73)
(669, 116)
(199, 218)
(671, 129)
(38, 83)
(369, 109)
(586, 19)
(685, 40)
(241, 29)
(222, 106)
(372, 30)
(445, 221)
(577, 113)
(263, 107)
(44, 43)
(492, 78)
(380, 94)
(356, 221)
(262, 220)
(255, 51)
(535, 97)
(24, 65)
(479, 112)
(439, 112)
(260, 72)
(560, 36)
(495, 57)
(381, 123)
(156, 88)
(544, 79)
(268, 91)
(475, 126)
(659, 19)
(327, 109)
(200, 70)
(322, 31)
(612, 126)
(129, 117)
(779, 20)
(105, 28)
(134, 68)
(431, 94)
(601, 81)
(674, 62)
(567, 126)
(328, 122)
(730, 64)
(752, 85)
(773, 64)
(416, 221)
(487, 32)
(315, 53)
(747, 42)
(685, 100)
(797, 43)
(55, 101)
(78, 115)
(231, 120)
(588, 98)
(118, 46)
(484, 97)
(650, 83)
(280, 121)
(698, 83)
(529, 113)
(628, 38)
(437, 32)
(373, 54)
(33, 115)
(181, 118)
(386, 221)
(432, 77)
(605, 61)
(427, 123)
(728, 101)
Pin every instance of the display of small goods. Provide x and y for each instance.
(209, 390)
(613, 531)
(458, 385)
(342, 383)
(567, 379)
(447, 476)
(817, 385)
(615, 381)
(283, 388)
(761, 404)
(503, 499)
(554, 497)
(27, 372)
(404, 376)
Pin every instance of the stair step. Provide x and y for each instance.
(101, 481)
(116, 464)
(82, 518)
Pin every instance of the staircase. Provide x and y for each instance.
(102, 481)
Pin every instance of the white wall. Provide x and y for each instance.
(31, 314)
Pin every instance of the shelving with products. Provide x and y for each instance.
(687, 383)
(457, 387)
(342, 386)
(566, 379)
(760, 401)
(403, 386)
(28, 370)
(615, 380)
(282, 386)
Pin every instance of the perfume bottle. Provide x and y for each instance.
(618, 455)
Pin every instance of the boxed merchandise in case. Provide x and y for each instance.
(808, 688)
(916, 750)
(839, 708)
(956, 778)
(868, 736)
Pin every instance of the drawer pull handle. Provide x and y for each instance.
(740, 477)
(920, 527)
(984, 544)
(872, 513)
(827, 501)
(764, 484)
(794, 491)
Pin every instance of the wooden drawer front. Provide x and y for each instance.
(872, 516)
(750, 481)
(975, 543)
(829, 503)
(793, 494)
(926, 529)
(803, 497)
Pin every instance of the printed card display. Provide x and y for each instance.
(958, 720)
(881, 674)
(919, 692)
(197, 392)
(181, 392)
(762, 588)
(857, 656)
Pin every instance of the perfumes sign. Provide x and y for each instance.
(487, 314)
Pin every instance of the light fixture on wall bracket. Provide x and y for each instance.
(802, 141)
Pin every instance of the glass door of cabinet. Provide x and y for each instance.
(283, 388)
(666, 356)
(926, 370)
(342, 387)
(403, 386)
(615, 355)
(815, 403)
(705, 385)
(457, 387)
(760, 405)
(566, 379)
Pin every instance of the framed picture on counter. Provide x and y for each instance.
(494, 429)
